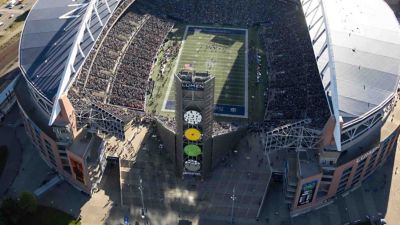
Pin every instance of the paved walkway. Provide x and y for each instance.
(372, 198)
(9, 138)
(393, 206)
(65, 198)
(105, 204)
(32, 166)
(24, 162)
(169, 198)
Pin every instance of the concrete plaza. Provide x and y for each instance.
(169, 200)
(203, 201)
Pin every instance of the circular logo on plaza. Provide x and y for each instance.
(192, 117)
(192, 165)
(192, 150)
(192, 134)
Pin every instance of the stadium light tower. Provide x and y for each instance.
(142, 213)
(233, 197)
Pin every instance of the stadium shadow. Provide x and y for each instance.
(9, 76)
(231, 100)
(223, 40)
(372, 199)
(172, 199)
(381, 183)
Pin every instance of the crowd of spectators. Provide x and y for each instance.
(117, 72)
(294, 91)
(89, 92)
(220, 128)
(119, 11)
(170, 52)
(132, 77)
(115, 75)
(109, 54)
(168, 122)
(231, 12)
(96, 72)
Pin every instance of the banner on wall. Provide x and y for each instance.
(78, 170)
(307, 193)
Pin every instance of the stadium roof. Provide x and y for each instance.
(50, 31)
(359, 42)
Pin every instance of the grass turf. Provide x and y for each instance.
(223, 55)
(256, 96)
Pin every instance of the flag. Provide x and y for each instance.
(188, 67)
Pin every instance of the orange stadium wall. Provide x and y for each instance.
(383, 152)
(45, 146)
(79, 172)
(67, 114)
(327, 133)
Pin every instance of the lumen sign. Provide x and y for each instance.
(366, 155)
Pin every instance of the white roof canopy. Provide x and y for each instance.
(359, 42)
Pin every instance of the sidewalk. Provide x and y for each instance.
(31, 166)
(24, 162)
(8, 136)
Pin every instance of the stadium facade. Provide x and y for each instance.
(357, 55)
(356, 47)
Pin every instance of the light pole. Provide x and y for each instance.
(233, 197)
(141, 195)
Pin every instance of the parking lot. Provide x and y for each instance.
(8, 14)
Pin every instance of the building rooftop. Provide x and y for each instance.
(363, 48)
(48, 36)
(28, 104)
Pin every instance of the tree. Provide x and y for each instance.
(27, 202)
(10, 211)
(2, 219)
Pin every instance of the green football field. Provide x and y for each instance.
(223, 53)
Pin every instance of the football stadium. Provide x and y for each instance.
(206, 103)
